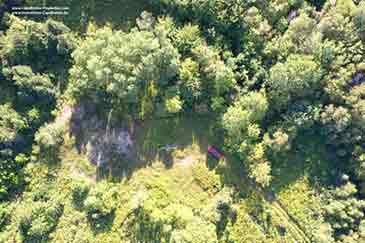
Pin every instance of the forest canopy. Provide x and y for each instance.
(183, 121)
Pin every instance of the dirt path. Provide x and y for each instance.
(293, 227)
(187, 161)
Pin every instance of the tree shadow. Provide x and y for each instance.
(102, 224)
(309, 156)
(148, 138)
(151, 136)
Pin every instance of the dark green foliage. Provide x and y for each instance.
(10, 176)
(38, 220)
(299, 77)
(4, 216)
(32, 88)
(359, 20)
(80, 190)
(121, 13)
(345, 213)
(34, 62)
(337, 125)
(273, 73)
(24, 78)
(10, 124)
(43, 46)
(48, 140)
(100, 205)
(105, 67)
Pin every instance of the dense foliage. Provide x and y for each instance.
(283, 82)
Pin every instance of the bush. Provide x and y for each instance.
(207, 179)
(80, 189)
(100, 205)
(10, 123)
(49, 139)
(174, 105)
(38, 220)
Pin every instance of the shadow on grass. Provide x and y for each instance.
(102, 224)
(148, 138)
(182, 132)
(310, 157)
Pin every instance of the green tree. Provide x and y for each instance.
(324, 234)
(250, 108)
(80, 190)
(299, 77)
(48, 140)
(190, 81)
(187, 38)
(38, 220)
(106, 67)
(10, 123)
(243, 134)
(100, 205)
(337, 123)
(218, 75)
(344, 212)
(43, 46)
(359, 20)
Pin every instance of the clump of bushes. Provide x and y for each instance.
(80, 190)
(207, 179)
(39, 219)
(100, 205)
(48, 140)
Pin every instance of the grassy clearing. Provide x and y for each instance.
(171, 170)
(181, 131)
(265, 220)
(167, 177)
(192, 185)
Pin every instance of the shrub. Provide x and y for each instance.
(207, 179)
(100, 205)
(80, 189)
(174, 105)
(38, 220)
(49, 139)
